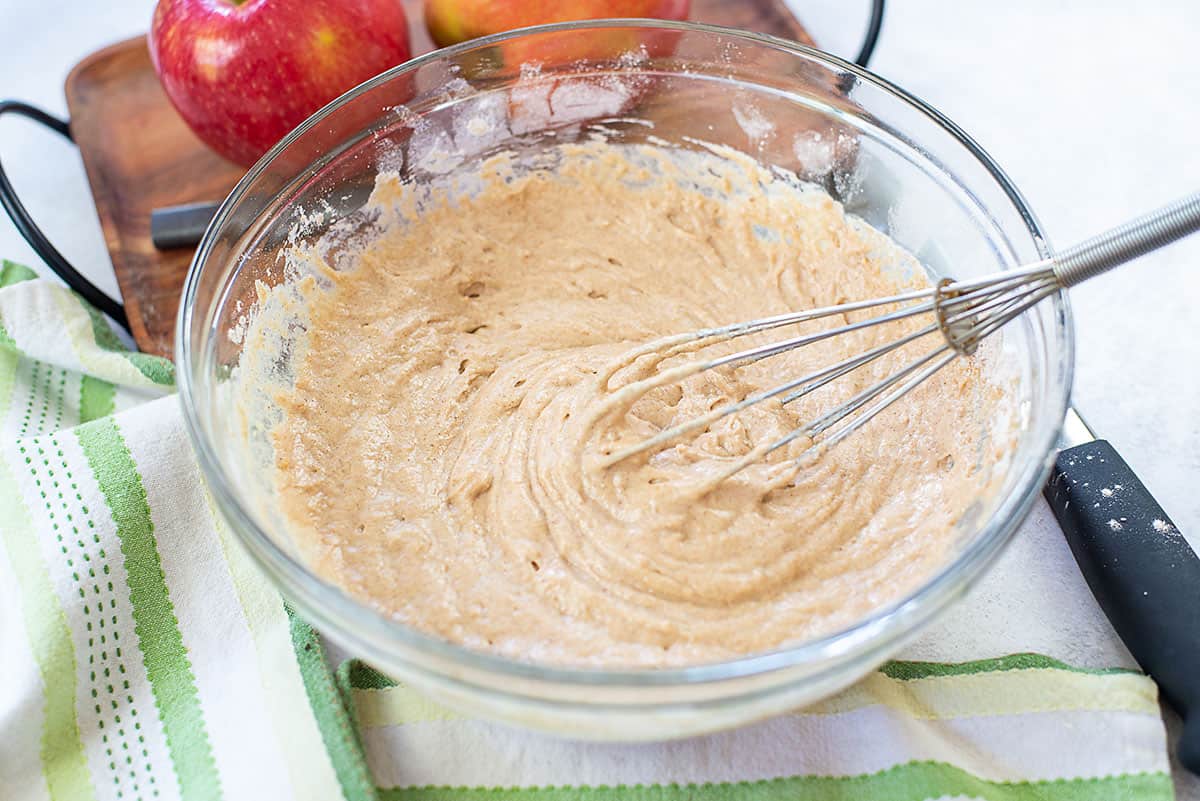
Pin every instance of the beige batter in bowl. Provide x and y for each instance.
(462, 373)
(789, 618)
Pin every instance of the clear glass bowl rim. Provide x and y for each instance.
(328, 603)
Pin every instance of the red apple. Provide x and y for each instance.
(451, 21)
(243, 74)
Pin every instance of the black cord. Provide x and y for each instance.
(34, 236)
(872, 36)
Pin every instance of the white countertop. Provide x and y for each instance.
(1094, 114)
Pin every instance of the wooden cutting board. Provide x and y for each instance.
(139, 156)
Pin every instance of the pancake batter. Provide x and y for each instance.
(440, 454)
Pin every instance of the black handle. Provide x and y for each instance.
(871, 37)
(34, 236)
(180, 226)
(1141, 570)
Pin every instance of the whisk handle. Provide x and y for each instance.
(1126, 242)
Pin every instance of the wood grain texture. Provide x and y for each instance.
(139, 156)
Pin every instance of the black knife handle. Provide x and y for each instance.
(1141, 570)
(180, 226)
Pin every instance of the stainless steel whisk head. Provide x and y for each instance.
(963, 314)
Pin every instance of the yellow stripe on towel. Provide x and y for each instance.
(943, 697)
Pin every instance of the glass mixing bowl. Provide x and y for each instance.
(887, 156)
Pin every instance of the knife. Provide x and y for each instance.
(1139, 566)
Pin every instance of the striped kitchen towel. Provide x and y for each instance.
(143, 656)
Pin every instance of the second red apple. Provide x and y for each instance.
(452, 21)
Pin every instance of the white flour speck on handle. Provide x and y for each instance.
(1162, 526)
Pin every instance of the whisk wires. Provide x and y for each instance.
(963, 312)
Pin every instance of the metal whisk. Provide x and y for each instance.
(963, 312)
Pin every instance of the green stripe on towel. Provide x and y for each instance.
(333, 719)
(9, 361)
(361, 676)
(924, 670)
(159, 638)
(97, 398)
(63, 763)
(13, 273)
(6, 340)
(159, 370)
(913, 781)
